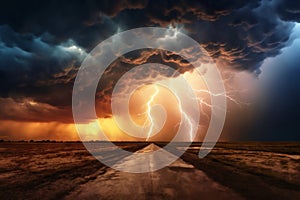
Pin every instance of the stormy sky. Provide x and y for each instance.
(42, 45)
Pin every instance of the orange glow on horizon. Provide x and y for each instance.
(20, 130)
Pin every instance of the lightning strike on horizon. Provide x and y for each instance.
(190, 123)
(185, 117)
(148, 112)
(188, 120)
(151, 120)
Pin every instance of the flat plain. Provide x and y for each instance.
(248, 170)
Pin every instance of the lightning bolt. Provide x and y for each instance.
(203, 102)
(148, 112)
(220, 94)
(185, 118)
(189, 122)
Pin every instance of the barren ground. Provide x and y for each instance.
(230, 171)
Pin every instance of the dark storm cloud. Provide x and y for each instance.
(168, 12)
(289, 10)
(246, 28)
(26, 61)
(43, 43)
(34, 69)
(76, 19)
(239, 33)
(130, 60)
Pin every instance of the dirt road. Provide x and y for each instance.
(177, 181)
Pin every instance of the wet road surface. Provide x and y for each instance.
(180, 180)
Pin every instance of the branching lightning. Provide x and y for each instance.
(187, 120)
(150, 120)
(226, 95)
(219, 94)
